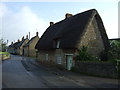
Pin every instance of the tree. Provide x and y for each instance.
(3, 45)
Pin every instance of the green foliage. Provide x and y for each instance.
(104, 56)
(114, 52)
(83, 55)
(5, 53)
(3, 45)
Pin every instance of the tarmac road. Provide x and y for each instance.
(23, 72)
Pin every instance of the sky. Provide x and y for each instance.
(17, 19)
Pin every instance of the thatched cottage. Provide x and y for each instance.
(60, 42)
(19, 46)
(11, 48)
(29, 48)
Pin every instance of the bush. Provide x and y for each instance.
(83, 55)
(114, 52)
(104, 56)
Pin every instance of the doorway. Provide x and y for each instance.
(69, 62)
(23, 52)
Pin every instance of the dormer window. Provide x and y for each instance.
(57, 43)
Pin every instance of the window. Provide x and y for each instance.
(59, 60)
(58, 43)
(46, 57)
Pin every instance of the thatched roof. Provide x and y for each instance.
(17, 44)
(20, 43)
(70, 30)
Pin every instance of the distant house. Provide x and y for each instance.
(29, 48)
(60, 42)
(11, 48)
(19, 46)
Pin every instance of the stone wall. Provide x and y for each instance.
(21, 47)
(32, 51)
(4, 57)
(104, 69)
(92, 39)
(26, 51)
(57, 56)
(41, 56)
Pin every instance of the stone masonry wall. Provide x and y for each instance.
(92, 39)
(104, 69)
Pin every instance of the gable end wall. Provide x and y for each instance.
(93, 39)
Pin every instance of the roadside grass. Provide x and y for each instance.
(4, 53)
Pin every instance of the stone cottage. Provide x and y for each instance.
(19, 46)
(61, 41)
(29, 48)
(11, 48)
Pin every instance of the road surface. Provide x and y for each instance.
(24, 72)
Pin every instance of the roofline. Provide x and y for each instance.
(86, 26)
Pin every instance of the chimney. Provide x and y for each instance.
(67, 15)
(51, 23)
(18, 40)
(36, 33)
(11, 43)
(29, 35)
(22, 38)
(26, 36)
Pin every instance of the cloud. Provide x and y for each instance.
(3, 9)
(18, 24)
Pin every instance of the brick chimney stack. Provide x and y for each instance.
(67, 15)
(22, 38)
(26, 36)
(18, 40)
(36, 33)
(11, 43)
(29, 35)
(51, 23)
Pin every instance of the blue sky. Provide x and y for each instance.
(20, 18)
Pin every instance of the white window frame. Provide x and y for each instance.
(46, 57)
(68, 54)
(59, 59)
(58, 43)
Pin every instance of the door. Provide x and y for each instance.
(69, 59)
(23, 52)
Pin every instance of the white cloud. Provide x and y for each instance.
(3, 9)
(18, 24)
(110, 21)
